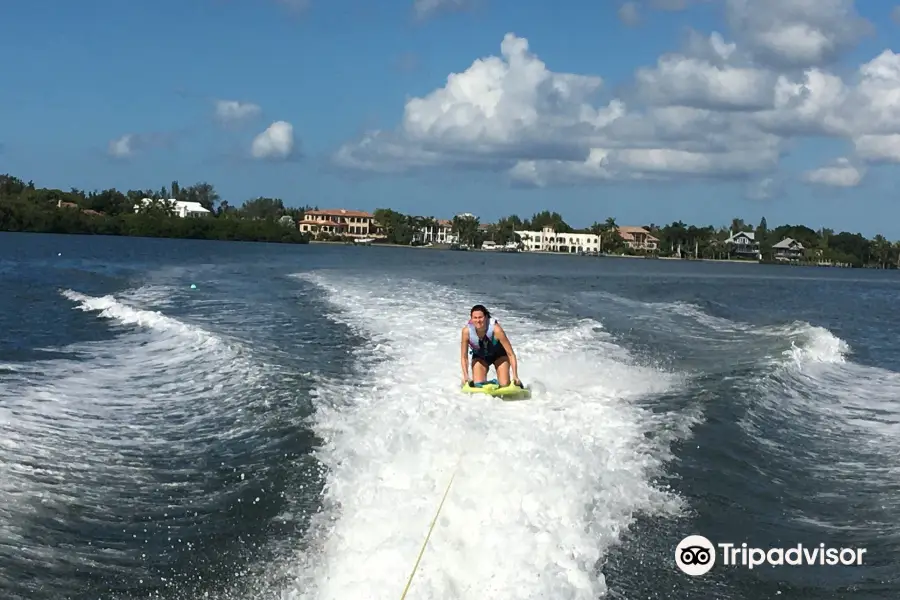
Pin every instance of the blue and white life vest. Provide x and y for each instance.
(483, 344)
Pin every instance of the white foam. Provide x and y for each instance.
(838, 419)
(160, 296)
(111, 308)
(542, 488)
(77, 431)
(816, 345)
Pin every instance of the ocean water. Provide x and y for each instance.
(288, 428)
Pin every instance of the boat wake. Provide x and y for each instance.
(541, 489)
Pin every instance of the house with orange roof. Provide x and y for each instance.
(340, 221)
(87, 211)
(638, 238)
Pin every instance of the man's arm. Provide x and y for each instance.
(504, 340)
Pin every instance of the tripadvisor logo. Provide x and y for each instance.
(695, 555)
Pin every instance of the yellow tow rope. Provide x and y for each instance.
(430, 529)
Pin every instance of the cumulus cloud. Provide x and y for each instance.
(717, 108)
(275, 143)
(796, 33)
(878, 148)
(707, 76)
(512, 113)
(229, 111)
(841, 174)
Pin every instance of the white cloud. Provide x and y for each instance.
(841, 174)
(122, 147)
(275, 143)
(795, 33)
(233, 110)
(708, 77)
(719, 108)
(820, 103)
(513, 113)
(878, 148)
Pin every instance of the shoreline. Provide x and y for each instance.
(614, 256)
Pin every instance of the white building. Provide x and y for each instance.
(442, 233)
(182, 209)
(744, 243)
(548, 240)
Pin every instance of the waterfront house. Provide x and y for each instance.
(549, 240)
(788, 249)
(87, 211)
(181, 208)
(638, 238)
(743, 244)
(440, 233)
(340, 221)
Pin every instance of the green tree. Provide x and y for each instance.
(466, 230)
(26, 208)
(547, 219)
(396, 226)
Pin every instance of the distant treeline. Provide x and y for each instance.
(822, 246)
(25, 207)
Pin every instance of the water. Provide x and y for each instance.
(288, 428)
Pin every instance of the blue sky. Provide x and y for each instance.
(764, 112)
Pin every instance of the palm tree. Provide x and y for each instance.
(881, 251)
(612, 240)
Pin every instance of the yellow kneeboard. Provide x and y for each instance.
(492, 388)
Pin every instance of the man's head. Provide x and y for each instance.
(479, 315)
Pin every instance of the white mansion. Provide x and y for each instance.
(549, 240)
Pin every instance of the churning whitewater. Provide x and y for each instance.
(541, 489)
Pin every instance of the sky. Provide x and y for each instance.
(648, 111)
